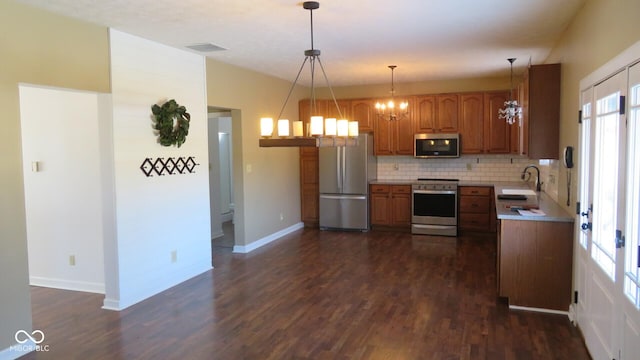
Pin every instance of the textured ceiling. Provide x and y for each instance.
(426, 39)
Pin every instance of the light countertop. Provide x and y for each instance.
(504, 208)
(551, 209)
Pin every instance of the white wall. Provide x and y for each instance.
(63, 202)
(159, 215)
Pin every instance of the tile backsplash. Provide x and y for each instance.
(469, 168)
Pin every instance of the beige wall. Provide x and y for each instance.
(43, 49)
(272, 186)
(601, 30)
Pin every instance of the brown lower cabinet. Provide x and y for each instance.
(390, 205)
(476, 209)
(535, 263)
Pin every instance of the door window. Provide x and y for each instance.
(631, 273)
(605, 189)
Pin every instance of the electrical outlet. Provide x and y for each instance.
(396, 167)
(174, 256)
(552, 179)
(72, 260)
(469, 167)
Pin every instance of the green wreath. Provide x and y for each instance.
(171, 132)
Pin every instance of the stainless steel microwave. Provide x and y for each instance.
(436, 145)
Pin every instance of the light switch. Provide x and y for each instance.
(249, 168)
(35, 166)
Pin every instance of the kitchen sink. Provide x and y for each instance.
(518, 191)
(518, 198)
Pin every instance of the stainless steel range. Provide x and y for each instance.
(434, 207)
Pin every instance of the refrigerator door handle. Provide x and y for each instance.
(343, 173)
(338, 168)
(344, 197)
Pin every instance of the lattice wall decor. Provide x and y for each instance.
(168, 166)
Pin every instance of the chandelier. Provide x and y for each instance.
(388, 110)
(320, 131)
(512, 111)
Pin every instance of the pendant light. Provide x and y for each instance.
(512, 111)
(321, 132)
(388, 110)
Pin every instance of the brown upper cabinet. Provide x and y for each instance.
(471, 123)
(343, 105)
(447, 121)
(423, 113)
(497, 133)
(393, 137)
(473, 115)
(328, 109)
(540, 97)
(481, 131)
(364, 111)
(435, 113)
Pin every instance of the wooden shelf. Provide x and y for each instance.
(308, 142)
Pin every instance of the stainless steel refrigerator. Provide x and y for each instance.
(344, 183)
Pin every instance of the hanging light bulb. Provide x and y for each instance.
(511, 111)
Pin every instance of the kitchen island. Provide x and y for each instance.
(535, 252)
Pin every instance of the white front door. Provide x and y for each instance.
(607, 271)
(630, 321)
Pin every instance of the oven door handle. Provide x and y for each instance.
(434, 192)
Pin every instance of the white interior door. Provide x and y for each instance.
(607, 247)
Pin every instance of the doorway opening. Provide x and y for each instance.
(221, 184)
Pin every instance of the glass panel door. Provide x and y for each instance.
(631, 272)
(600, 269)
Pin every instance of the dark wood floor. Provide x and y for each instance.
(317, 295)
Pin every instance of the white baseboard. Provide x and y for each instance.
(97, 288)
(17, 350)
(243, 249)
(548, 311)
(111, 304)
(573, 314)
(155, 287)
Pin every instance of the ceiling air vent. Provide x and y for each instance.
(205, 47)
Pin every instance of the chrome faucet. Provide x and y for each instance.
(525, 172)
